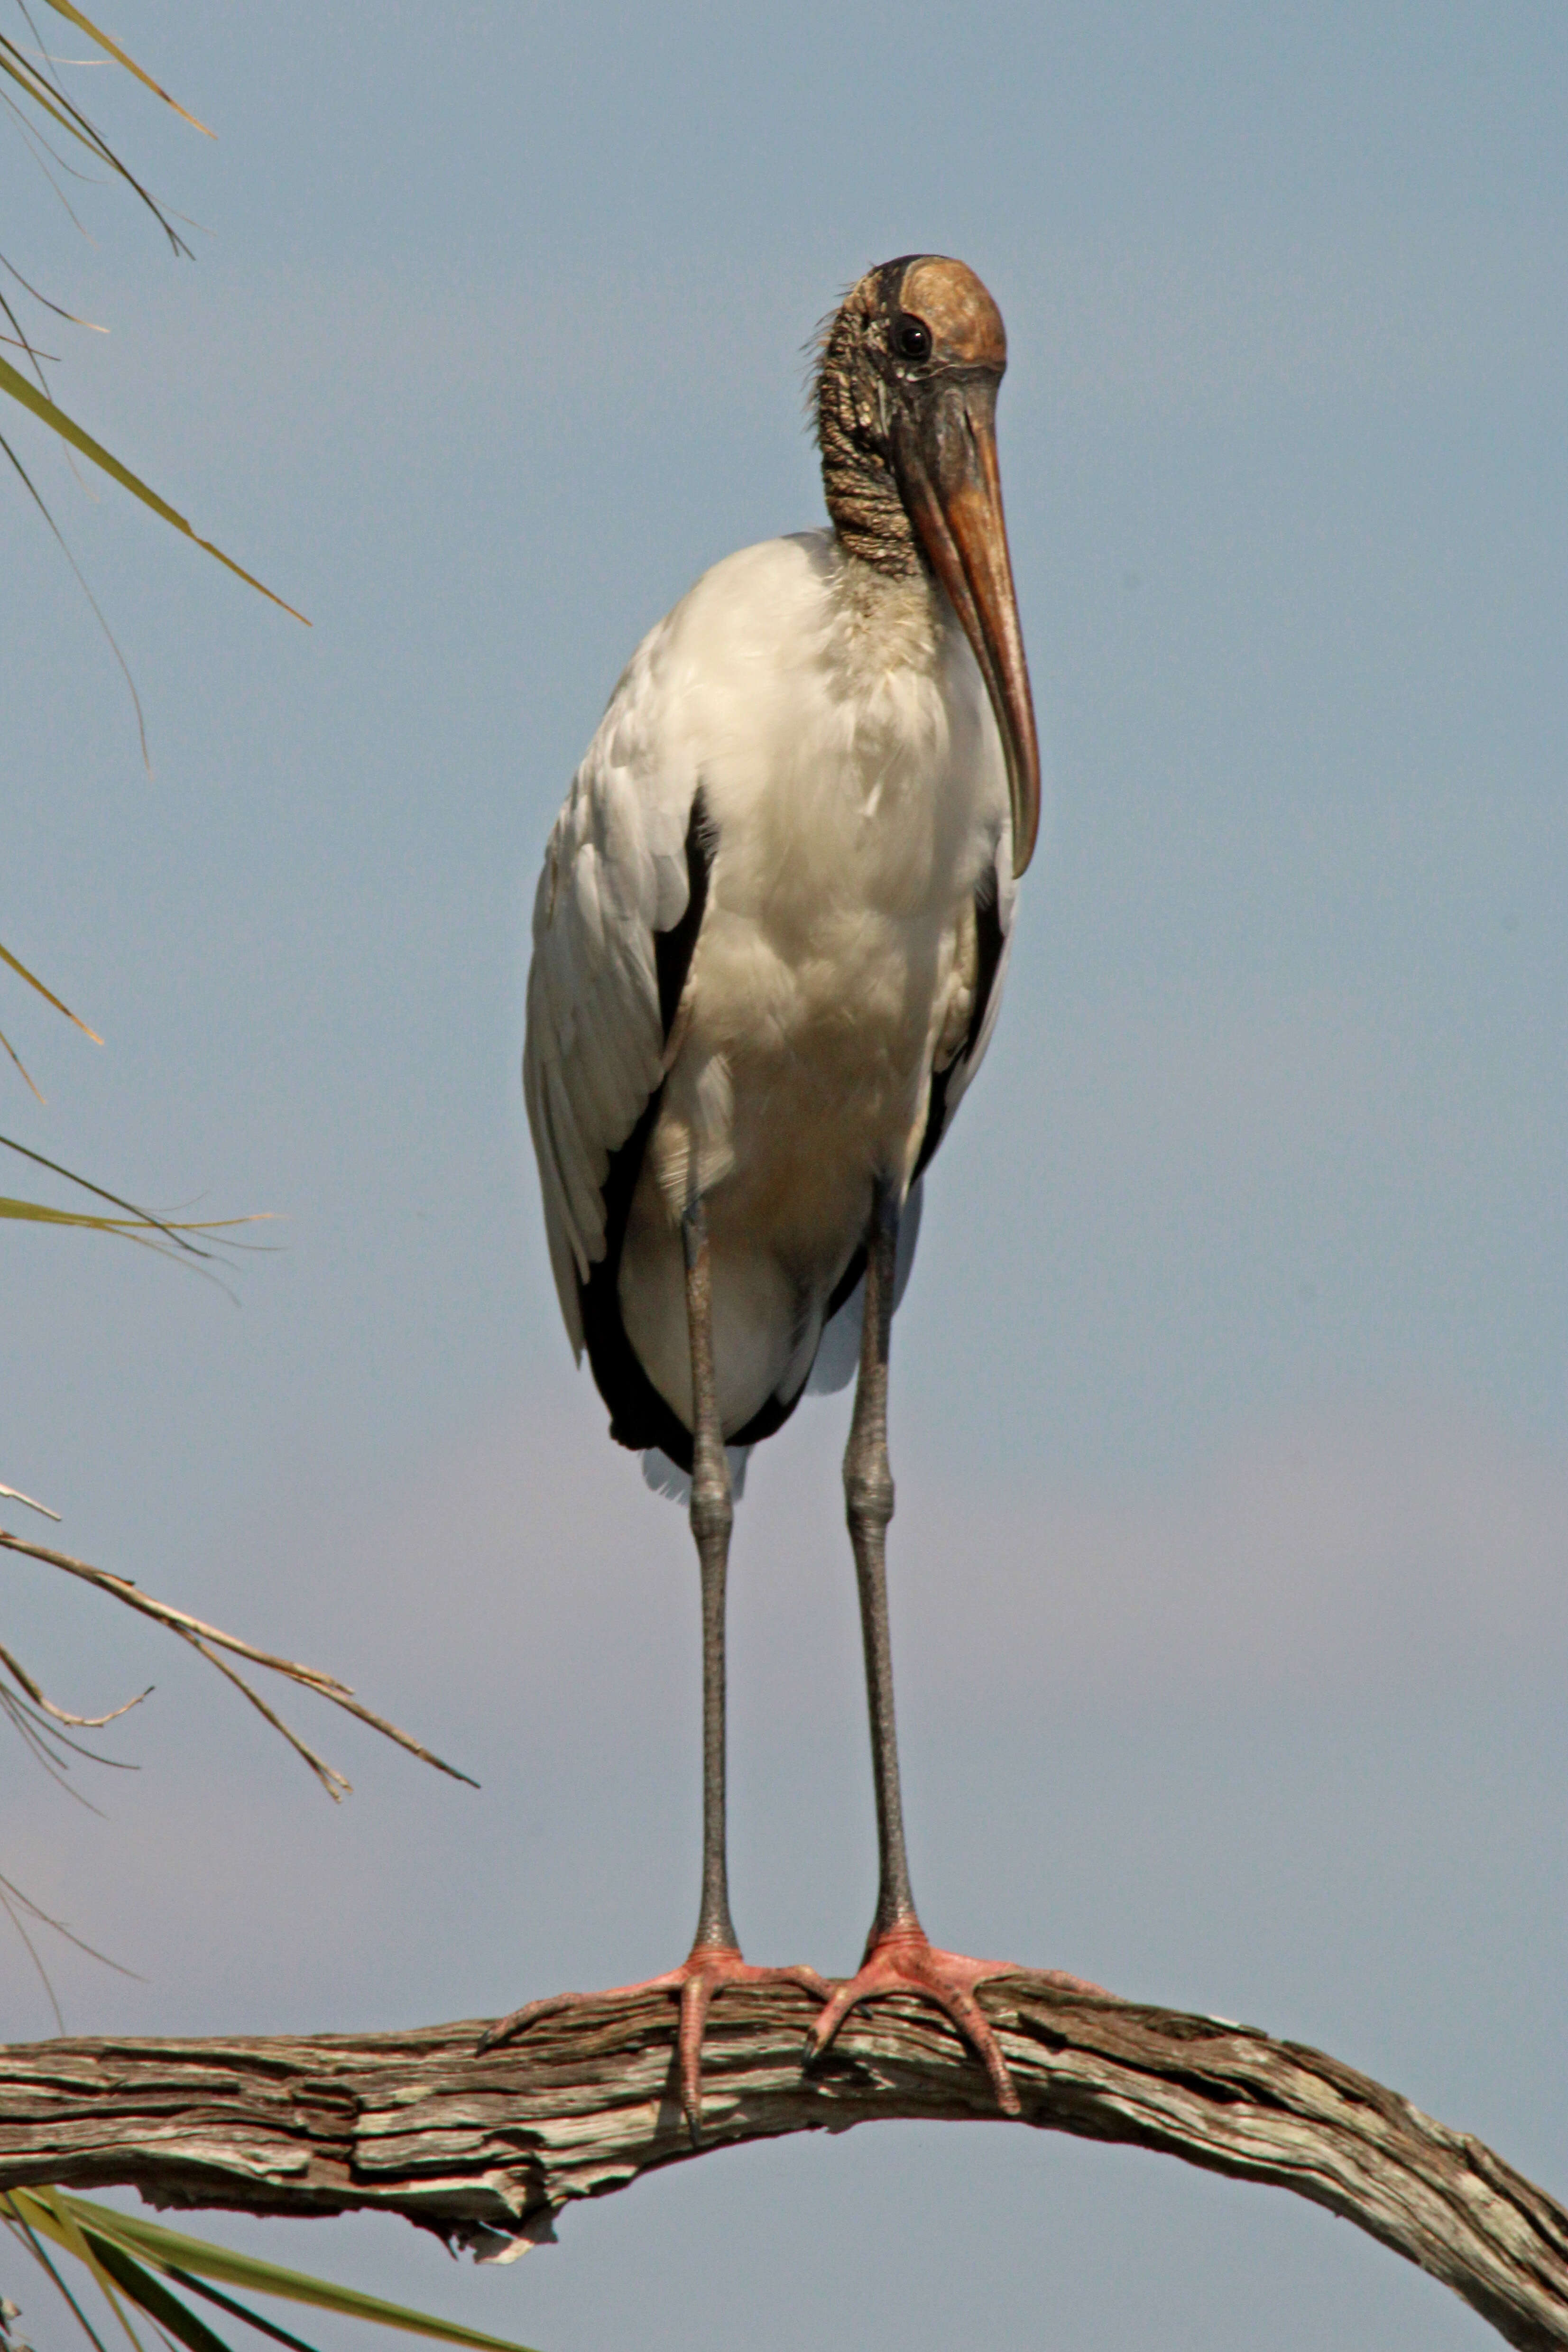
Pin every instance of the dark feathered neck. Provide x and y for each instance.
(857, 478)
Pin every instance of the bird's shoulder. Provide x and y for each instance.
(669, 707)
(746, 627)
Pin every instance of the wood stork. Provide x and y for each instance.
(769, 944)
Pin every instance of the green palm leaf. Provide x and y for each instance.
(133, 1228)
(84, 24)
(34, 981)
(64, 2219)
(13, 380)
(131, 2259)
(150, 2295)
(241, 2311)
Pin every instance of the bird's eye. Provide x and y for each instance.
(911, 339)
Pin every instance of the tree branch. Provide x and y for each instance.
(486, 2150)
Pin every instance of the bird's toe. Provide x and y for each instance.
(905, 1960)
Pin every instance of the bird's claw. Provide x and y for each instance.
(705, 1972)
(507, 2028)
(905, 1960)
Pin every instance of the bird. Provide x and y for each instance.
(770, 940)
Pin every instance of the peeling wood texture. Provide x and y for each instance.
(488, 2150)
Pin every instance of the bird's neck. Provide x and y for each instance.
(857, 482)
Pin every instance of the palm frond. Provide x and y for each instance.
(32, 85)
(129, 2251)
(13, 381)
(136, 1224)
(33, 981)
(84, 24)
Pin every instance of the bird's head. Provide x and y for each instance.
(906, 410)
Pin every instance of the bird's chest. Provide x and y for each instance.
(832, 894)
(842, 881)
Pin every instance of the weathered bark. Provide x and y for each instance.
(487, 2150)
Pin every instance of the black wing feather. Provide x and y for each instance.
(639, 1416)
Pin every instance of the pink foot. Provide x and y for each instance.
(906, 1960)
(705, 1971)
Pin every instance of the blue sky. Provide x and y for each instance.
(1230, 1408)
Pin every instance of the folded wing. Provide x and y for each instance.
(616, 877)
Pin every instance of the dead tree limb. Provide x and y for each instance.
(486, 2150)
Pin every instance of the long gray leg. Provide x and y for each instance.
(714, 1960)
(899, 1957)
(712, 1516)
(868, 1498)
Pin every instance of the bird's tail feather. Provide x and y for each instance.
(665, 1477)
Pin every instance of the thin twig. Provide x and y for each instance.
(195, 1631)
(69, 316)
(109, 639)
(60, 1928)
(332, 1781)
(32, 1952)
(18, 1673)
(14, 1495)
(45, 1746)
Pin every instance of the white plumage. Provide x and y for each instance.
(855, 815)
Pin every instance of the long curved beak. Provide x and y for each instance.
(945, 453)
